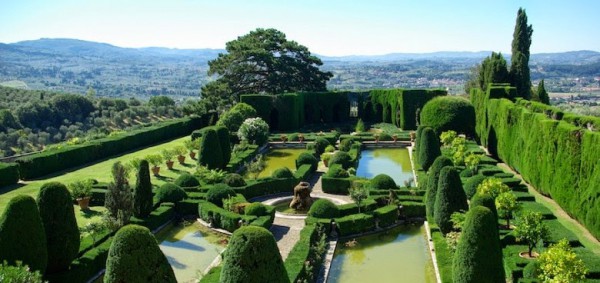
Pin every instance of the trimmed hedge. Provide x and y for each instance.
(186, 180)
(9, 174)
(449, 113)
(307, 158)
(366, 206)
(303, 172)
(471, 185)
(282, 172)
(450, 198)
(383, 182)
(397, 106)
(234, 180)
(355, 224)
(429, 148)
(169, 192)
(336, 171)
(485, 200)
(225, 143)
(338, 186)
(142, 192)
(158, 217)
(413, 209)
(386, 215)
(217, 193)
(301, 253)
(433, 177)
(323, 208)
(343, 159)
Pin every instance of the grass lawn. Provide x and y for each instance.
(100, 171)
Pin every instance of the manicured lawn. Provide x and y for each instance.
(102, 172)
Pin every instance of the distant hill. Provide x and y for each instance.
(73, 65)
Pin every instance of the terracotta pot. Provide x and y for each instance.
(325, 162)
(192, 155)
(170, 164)
(412, 136)
(181, 159)
(301, 139)
(84, 203)
(395, 138)
(155, 170)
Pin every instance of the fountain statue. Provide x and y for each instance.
(302, 200)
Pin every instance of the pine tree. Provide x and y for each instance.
(142, 193)
(542, 94)
(519, 67)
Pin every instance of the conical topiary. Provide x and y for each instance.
(22, 236)
(134, 256)
(210, 153)
(478, 256)
(252, 256)
(225, 144)
(62, 234)
(450, 198)
(433, 177)
(429, 148)
(142, 193)
(485, 200)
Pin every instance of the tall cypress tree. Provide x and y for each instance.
(519, 67)
(493, 69)
(142, 193)
(542, 94)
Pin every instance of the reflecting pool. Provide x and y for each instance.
(394, 162)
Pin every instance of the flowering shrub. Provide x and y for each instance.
(254, 130)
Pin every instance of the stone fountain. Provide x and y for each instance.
(302, 200)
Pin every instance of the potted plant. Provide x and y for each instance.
(301, 138)
(325, 157)
(192, 145)
(283, 138)
(168, 154)
(155, 160)
(82, 193)
(180, 151)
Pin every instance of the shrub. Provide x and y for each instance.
(429, 148)
(186, 180)
(252, 256)
(485, 200)
(22, 236)
(234, 117)
(531, 270)
(385, 137)
(337, 172)
(320, 145)
(447, 113)
(330, 148)
(383, 182)
(256, 209)
(342, 158)
(225, 144)
(210, 153)
(433, 177)
(360, 126)
(282, 172)
(450, 198)
(142, 192)
(560, 264)
(471, 185)
(234, 180)
(62, 234)
(19, 274)
(134, 256)
(478, 256)
(169, 193)
(323, 208)
(254, 130)
(346, 144)
(531, 229)
(492, 186)
(217, 193)
(9, 173)
(307, 158)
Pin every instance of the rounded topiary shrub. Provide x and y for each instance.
(429, 148)
(186, 180)
(471, 185)
(256, 209)
(234, 180)
(323, 208)
(485, 200)
(169, 193)
(217, 193)
(210, 153)
(307, 158)
(478, 256)
(383, 182)
(252, 256)
(320, 145)
(134, 256)
(450, 198)
(445, 113)
(337, 172)
(283, 173)
(346, 144)
(431, 184)
(342, 158)
(62, 234)
(22, 236)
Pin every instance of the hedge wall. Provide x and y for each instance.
(386, 215)
(558, 158)
(65, 157)
(228, 220)
(355, 224)
(301, 253)
(9, 174)
(398, 106)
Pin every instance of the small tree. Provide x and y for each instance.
(447, 137)
(119, 200)
(507, 205)
(92, 229)
(254, 130)
(542, 94)
(458, 149)
(472, 161)
(560, 264)
(531, 229)
(256, 166)
(142, 193)
(358, 192)
(493, 187)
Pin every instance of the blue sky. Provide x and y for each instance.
(327, 27)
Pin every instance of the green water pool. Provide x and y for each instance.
(397, 255)
(278, 158)
(394, 162)
(190, 249)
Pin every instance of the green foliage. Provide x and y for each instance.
(429, 148)
(448, 137)
(450, 198)
(531, 229)
(81, 189)
(9, 174)
(531, 270)
(210, 154)
(323, 208)
(62, 235)
(386, 215)
(142, 192)
(398, 106)
(358, 192)
(542, 94)
(449, 113)
(492, 186)
(493, 70)
(355, 224)
(186, 180)
(307, 158)
(383, 182)
(210, 176)
(256, 166)
(485, 200)
(433, 177)
(217, 193)
(119, 199)
(8, 120)
(233, 118)
(346, 144)
(256, 209)
(19, 273)
(22, 236)
(282, 172)
(336, 171)
(134, 256)
(472, 161)
(360, 126)
(254, 131)
(507, 205)
(519, 65)
(161, 100)
(320, 145)
(478, 256)
(471, 185)
(342, 158)
(561, 265)
(169, 192)
(234, 180)
(225, 144)
(252, 256)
